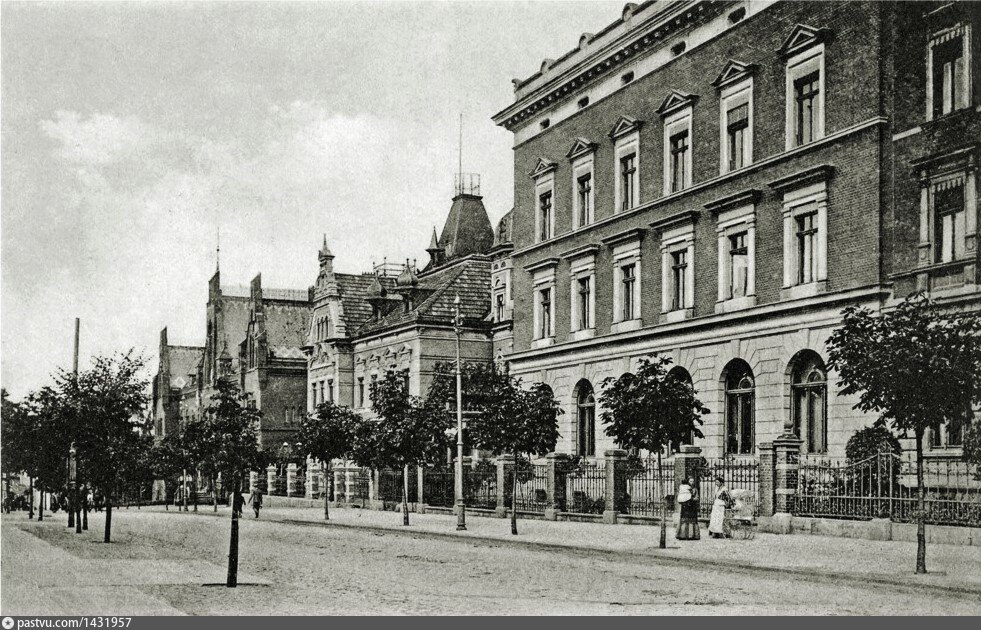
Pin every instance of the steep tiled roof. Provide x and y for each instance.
(287, 323)
(183, 361)
(469, 278)
(467, 229)
(353, 289)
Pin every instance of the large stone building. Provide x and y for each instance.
(254, 336)
(716, 181)
(366, 325)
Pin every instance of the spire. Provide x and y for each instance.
(408, 277)
(325, 252)
(217, 249)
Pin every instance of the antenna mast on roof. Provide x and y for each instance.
(217, 248)
(460, 152)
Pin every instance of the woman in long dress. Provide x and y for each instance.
(719, 521)
(688, 498)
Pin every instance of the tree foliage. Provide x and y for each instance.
(871, 441)
(650, 409)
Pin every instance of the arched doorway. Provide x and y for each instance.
(585, 419)
(809, 406)
(740, 393)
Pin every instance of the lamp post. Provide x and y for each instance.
(461, 508)
(72, 473)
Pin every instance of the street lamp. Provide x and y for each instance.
(461, 509)
(72, 475)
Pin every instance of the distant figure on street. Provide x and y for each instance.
(689, 500)
(238, 504)
(256, 500)
(721, 507)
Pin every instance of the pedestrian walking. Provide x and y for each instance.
(689, 500)
(721, 511)
(256, 500)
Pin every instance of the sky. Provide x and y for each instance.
(133, 132)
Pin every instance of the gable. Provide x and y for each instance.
(675, 101)
(625, 125)
(541, 167)
(581, 146)
(732, 72)
(802, 37)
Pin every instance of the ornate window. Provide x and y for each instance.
(740, 393)
(948, 71)
(809, 388)
(585, 419)
(805, 87)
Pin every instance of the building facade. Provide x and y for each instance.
(716, 181)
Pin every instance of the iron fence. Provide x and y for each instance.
(437, 487)
(884, 486)
(361, 486)
(742, 479)
(585, 486)
(391, 486)
(480, 486)
(648, 487)
(279, 486)
(531, 493)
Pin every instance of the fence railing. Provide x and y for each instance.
(391, 487)
(532, 491)
(648, 486)
(480, 487)
(741, 476)
(884, 486)
(585, 487)
(437, 487)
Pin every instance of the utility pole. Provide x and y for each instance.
(461, 506)
(77, 497)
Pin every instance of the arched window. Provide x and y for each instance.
(681, 374)
(586, 419)
(809, 388)
(740, 404)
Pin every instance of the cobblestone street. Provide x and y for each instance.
(169, 563)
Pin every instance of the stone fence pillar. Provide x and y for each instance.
(616, 485)
(270, 479)
(253, 481)
(309, 483)
(687, 463)
(504, 486)
(338, 483)
(291, 480)
(767, 479)
(787, 453)
(555, 464)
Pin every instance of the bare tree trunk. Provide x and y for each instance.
(195, 486)
(70, 504)
(920, 507)
(232, 581)
(405, 495)
(663, 541)
(514, 495)
(214, 495)
(105, 537)
(327, 486)
(85, 510)
(40, 507)
(185, 489)
(30, 496)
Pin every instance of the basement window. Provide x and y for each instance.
(584, 101)
(545, 123)
(678, 48)
(737, 15)
(627, 77)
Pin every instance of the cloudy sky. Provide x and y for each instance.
(131, 131)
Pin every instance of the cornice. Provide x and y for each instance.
(750, 196)
(618, 52)
(542, 264)
(674, 219)
(820, 173)
(579, 252)
(579, 148)
(622, 237)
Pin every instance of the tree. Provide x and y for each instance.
(235, 427)
(102, 409)
(972, 448)
(406, 432)
(16, 438)
(650, 410)
(510, 419)
(916, 366)
(328, 434)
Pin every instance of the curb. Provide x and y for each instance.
(820, 575)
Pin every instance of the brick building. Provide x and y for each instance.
(716, 181)
(254, 336)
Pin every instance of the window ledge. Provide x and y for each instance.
(735, 304)
(579, 335)
(627, 325)
(804, 290)
(542, 343)
(943, 452)
(676, 316)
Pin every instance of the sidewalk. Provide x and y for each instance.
(952, 568)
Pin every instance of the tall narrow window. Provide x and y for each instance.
(950, 218)
(545, 313)
(948, 73)
(810, 393)
(738, 265)
(361, 399)
(585, 187)
(807, 233)
(679, 150)
(330, 390)
(740, 404)
(583, 303)
(806, 96)
(499, 307)
(627, 193)
(736, 132)
(586, 419)
(679, 265)
(545, 216)
(628, 281)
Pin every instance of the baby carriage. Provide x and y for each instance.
(742, 520)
